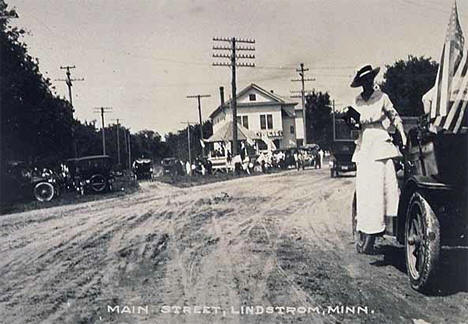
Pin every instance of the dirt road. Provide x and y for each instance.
(251, 244)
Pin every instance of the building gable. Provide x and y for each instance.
(253, 95)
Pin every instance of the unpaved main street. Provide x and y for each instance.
(272, 240)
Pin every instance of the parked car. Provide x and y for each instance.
(342, 153)
(20, 181)
(432, 208)
(91, 173)
(143, 169)
(172, 166)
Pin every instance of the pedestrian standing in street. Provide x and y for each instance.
(376, 183)
(320, 153)
(296, 159)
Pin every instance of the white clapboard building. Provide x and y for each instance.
(266, 115)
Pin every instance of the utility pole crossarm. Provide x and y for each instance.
(69, 81)
(233, 57)
(300, 80)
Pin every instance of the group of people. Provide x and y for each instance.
(314, 159)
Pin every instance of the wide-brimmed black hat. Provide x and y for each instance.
(365, 71)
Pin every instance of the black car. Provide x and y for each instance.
(20, 181)
(172, 166)
(143, 169)
(342, 152)
(91, 173)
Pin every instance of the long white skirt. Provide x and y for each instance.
(377, 194)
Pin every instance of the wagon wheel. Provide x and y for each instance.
(44, 191)
(422, 234)
(98, 183)
(364, 242)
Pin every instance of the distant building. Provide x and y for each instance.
(266, 115)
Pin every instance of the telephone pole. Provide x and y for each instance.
(129, 142)
(69, 81)
(231, 54)
(102, 111)
(200, 115)
(118, 140)
(188, 142)
(303, 80)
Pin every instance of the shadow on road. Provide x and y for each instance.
(453, 268)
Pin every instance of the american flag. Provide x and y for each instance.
(449, 97)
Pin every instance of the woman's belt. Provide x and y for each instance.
(375, 125)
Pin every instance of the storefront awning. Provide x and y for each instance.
(224, 134)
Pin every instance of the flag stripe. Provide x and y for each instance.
(461, 87)
(450, 97)
(460, 117)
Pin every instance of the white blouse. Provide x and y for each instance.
(376, 115)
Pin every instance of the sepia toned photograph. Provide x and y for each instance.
(230, 161)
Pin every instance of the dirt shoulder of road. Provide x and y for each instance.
(278, 240)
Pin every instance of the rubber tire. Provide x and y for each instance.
(364, 242)
(99, 189)
(37, 194)
(423, 279)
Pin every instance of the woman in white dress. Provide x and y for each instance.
(376, 183)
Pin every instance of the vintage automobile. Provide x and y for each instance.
(344, 135)
(172, 166)
(143, 169)
(432, 209)
(21, 181)
(309, 154)
(91, 174)
(342, 153)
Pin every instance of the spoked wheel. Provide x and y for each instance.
(364, 242)
(44, 191)
(98, 183)
(422, 243)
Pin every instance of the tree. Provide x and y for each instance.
(406, 81)
(319, 119)
(178, 144)
(35, 124)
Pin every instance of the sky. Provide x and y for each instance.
(142, 58)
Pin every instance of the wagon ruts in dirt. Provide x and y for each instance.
(432, 209)
(91, 174)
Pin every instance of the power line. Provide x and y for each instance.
(234, 53)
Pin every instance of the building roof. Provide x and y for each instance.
(276, 99)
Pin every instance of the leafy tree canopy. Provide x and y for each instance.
(406, 81)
